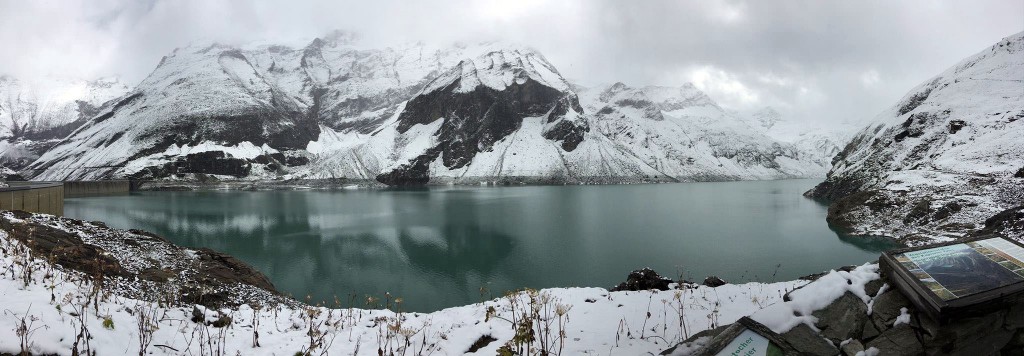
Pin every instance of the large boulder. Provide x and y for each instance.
(843, 319)
(900, 340)
(807, 341)
(644, 279)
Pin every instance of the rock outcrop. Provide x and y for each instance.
(140, 264)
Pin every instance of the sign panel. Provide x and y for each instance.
(746, 337)
(750, 343)
(960, 270)
(958, 279)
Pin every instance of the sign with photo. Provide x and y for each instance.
(958, 275)
(963, 269)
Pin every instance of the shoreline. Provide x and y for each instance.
(357, 326)
(648, 314)
(345, 183)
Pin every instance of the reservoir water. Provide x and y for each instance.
(448, 246)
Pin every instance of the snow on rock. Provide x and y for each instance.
(940, 161)
(904, 318)
(782, 317)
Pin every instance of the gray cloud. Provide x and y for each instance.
(813, 60)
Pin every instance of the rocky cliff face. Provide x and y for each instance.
(482, 102)
(415, 114)
(941, 161)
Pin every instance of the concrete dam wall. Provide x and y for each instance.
(48, 197)
(37, 197)
(88, 188)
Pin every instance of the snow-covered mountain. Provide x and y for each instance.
(683, 134)
(945, 158)
(34, 115)
(409, 115)
(821, 141)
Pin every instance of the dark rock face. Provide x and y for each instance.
(225, 268)
(915, 100)
(806, 341)
(876, 202)
(209, 162)
(713, 281)
(1020, 173)
(282, 128)
(475, 120)
(842, 319)
(900, 340)
(120, 104)
(918, 212)
(643, 279)
(570, 133)
(413, 173)
(1008, 222)
(956, 125)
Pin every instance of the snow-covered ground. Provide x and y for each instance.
(45, 307)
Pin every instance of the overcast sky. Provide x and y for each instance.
(812, 60)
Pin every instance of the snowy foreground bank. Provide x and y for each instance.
(49, 308)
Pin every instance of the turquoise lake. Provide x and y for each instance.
(448, 246)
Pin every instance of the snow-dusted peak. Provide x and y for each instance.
(623, 96)
(678, 98)
(681, 101)
(497, 68)
(49, 102)
(766, 117)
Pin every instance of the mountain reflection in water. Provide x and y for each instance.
(443, 247)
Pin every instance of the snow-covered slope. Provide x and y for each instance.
(682, 133)
(409, 115)
(943, 159)
(36, 114)
(821, 141)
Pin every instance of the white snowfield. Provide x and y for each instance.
(356, 94)
(594, 320)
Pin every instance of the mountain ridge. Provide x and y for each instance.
(414, 114)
